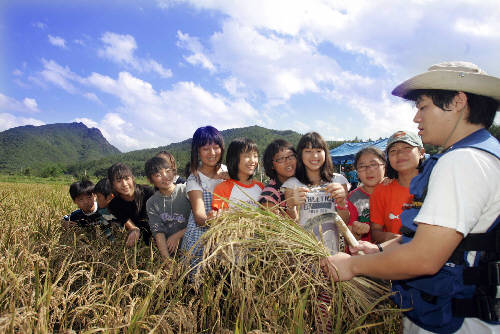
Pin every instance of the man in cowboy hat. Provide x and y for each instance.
(446, 266)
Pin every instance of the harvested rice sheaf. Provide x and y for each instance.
(266, 272)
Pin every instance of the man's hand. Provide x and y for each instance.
(365, 247)
(338, 267)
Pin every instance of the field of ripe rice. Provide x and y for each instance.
(260, 274)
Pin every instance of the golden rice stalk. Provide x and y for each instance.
(267, 267)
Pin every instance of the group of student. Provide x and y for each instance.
(303, 187)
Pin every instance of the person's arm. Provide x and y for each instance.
(425, 254)
(359, 229)
(378, 234)
(338, 192)
(198, 207)
(173, 241)
(154, 221)
(367, 247)
(67, 222)
(134, 233)
(161, 243)
(295, 197)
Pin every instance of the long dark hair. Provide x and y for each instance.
(313, 140)
(201, 137)
(235, 148)
(119, 171)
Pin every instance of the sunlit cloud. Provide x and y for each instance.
(27, 105)
(121, 48)
(40, 25)
(57, 41)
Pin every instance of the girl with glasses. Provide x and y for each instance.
(280, 162)
(370, 164)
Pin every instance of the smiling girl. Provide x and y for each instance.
(242, 160)
(205, 172)
(405, 153)
(370, 165)
(280, 162)
(317, 191)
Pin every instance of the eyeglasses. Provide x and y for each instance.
(368, 167)
(281, 160)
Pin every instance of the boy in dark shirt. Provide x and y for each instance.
(104, 195)
(87, 216)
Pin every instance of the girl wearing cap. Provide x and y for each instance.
(405, 153)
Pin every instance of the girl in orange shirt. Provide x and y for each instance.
(405, 153)
(242, 160)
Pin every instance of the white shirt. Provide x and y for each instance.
(463, 194)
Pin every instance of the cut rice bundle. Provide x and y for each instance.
(268, 267)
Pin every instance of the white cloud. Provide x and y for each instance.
(235, 87)
(87, 121)
(28, 105)
(8, 121)
(384, 117)
(166, 4)
(197, 57)
(59, 76)
(114, 129)
(92, 97)
(149, 118)
(57, 41)
(348, 51)
(40, 25)
(121, 48)
(17, 72)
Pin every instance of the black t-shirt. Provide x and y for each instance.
(83, 220)
(125, 210)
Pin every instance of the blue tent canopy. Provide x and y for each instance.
(344, 154)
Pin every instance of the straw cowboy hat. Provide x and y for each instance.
(458, 76)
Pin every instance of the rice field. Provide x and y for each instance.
(260, 275)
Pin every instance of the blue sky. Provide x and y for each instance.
(148, 73)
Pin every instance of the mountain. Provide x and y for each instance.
(181, 151)
(62, 143)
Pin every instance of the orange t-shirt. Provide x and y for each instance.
(386, 205)
(236, 192)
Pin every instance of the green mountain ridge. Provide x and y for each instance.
(61, 143)
(73, 148)
(180, 150)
